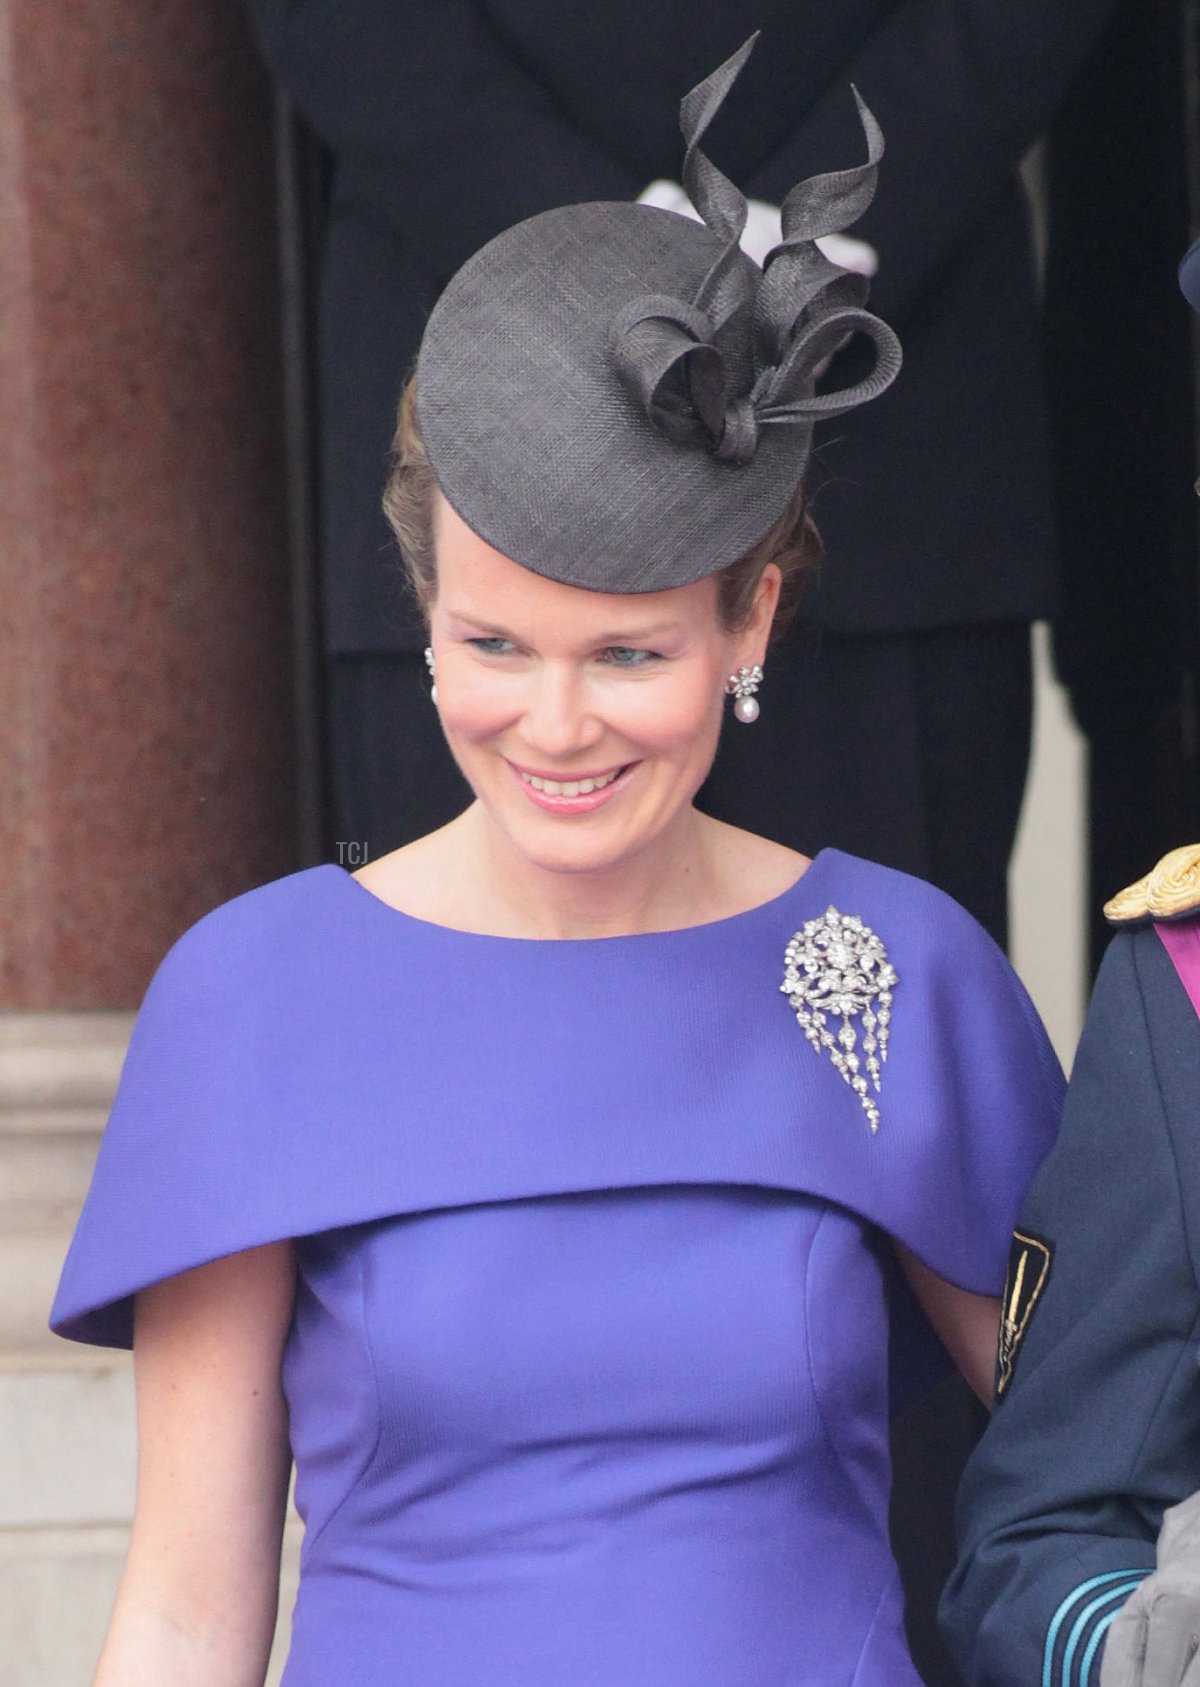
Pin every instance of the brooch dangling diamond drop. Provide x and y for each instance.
(837, 968)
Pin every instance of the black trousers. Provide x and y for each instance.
(910, 749)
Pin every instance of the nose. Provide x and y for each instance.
(559, 722)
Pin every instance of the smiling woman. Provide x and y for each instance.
(653, 748)
(573, 1191)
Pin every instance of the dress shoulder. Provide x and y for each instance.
(976, 1088)
(308, 1058)
(195, 1145)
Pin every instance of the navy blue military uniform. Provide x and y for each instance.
(1097, 1423)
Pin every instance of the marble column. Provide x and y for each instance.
(146, 718)
(145, 692)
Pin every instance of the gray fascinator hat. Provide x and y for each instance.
(619, 398)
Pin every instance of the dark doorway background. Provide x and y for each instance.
(1123, 201)
(1122, 181)
(1121, 204)
(304, 177)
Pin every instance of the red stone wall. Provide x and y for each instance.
(145, 692)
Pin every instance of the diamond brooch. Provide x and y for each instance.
(837, 968)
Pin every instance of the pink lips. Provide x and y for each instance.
(585, 803)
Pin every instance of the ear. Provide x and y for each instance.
(753, 638)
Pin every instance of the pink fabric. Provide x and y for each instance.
(1182, 943)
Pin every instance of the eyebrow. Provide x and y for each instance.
(620, 636)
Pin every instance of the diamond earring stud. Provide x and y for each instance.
(742, 687)
(432, 674)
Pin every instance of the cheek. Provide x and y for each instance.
(474, 708)
(680, 718)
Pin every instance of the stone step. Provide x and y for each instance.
(67, 1431)
(67, 1442)
(86, 1120)
(58, 1075)
(60, 1060)
(56, 1593)
(30, 1263)
(67, 1464)
(43, 1179)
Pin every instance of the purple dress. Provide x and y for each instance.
(589, 1371)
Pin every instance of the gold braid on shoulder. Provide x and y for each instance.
(1171, 891)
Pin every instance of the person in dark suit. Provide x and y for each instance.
(1123, 392)
(896, 721)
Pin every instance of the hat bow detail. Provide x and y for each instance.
(748, 349)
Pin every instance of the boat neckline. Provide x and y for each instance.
(388, 910)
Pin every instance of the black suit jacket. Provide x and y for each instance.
(448, 120)
(1098, 1431)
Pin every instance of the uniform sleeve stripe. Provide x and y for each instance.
(1121, 1592)
(1101, 1629)
(1064, 1610)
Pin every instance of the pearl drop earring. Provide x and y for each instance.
(432, 674)
(742, 686)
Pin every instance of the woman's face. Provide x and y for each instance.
(584, 722)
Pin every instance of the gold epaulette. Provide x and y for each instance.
(1169, 892)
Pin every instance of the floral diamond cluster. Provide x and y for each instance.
(836, 968)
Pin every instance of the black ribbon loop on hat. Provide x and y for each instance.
(786, 393)
(663, 349)
(675, 355)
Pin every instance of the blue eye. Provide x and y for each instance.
(626, 656)
(496, 646)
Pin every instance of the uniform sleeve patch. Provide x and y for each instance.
(1029, 1262)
